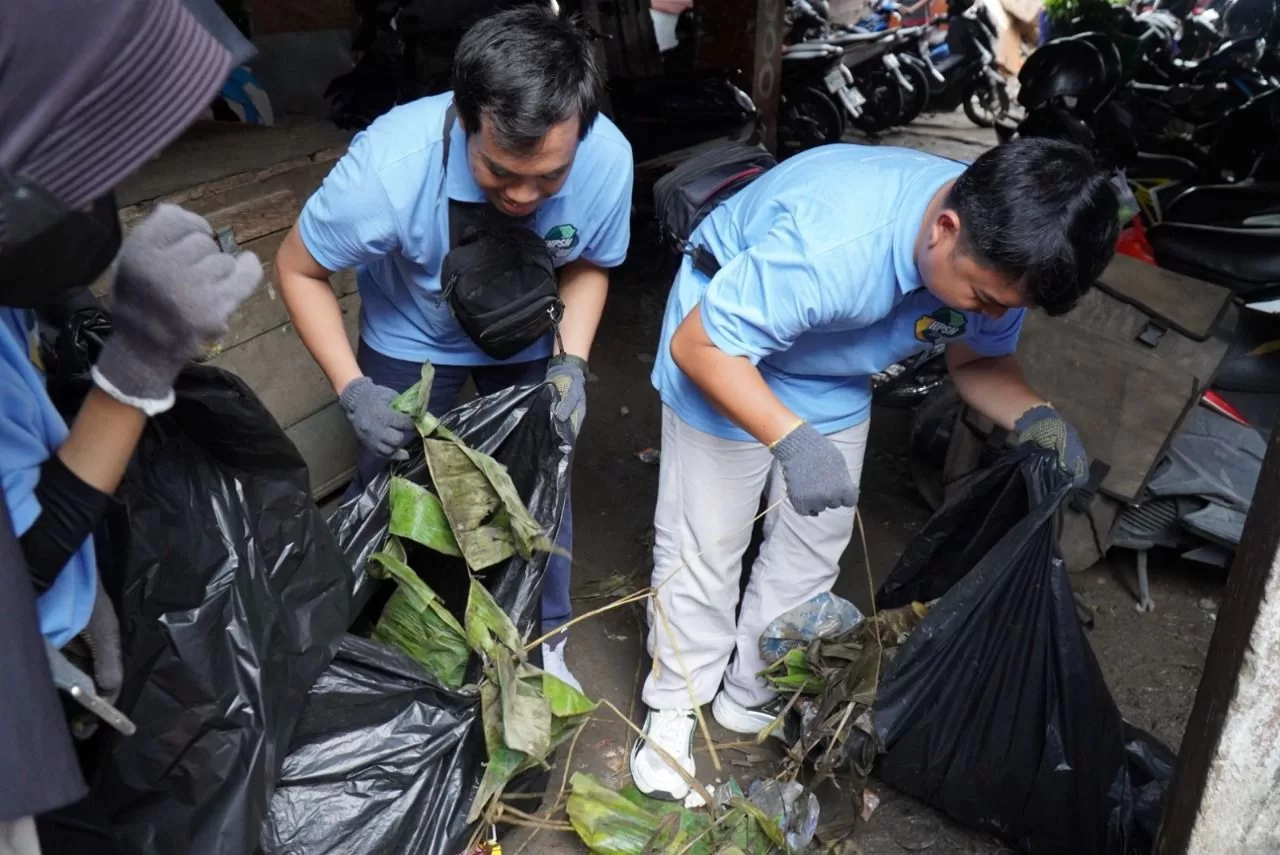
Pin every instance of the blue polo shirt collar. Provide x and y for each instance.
(907, 228)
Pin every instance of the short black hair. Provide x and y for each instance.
(526, 69)
(1041, 212)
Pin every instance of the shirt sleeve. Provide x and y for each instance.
(608, 244)
(350, 220)
(997, 337)
(766, 297)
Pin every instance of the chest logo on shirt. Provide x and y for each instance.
(561, 240)
(943, 323)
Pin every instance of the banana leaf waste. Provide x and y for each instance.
(391, 755)
(994, 709)
(233, 598)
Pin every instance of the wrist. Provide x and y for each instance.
(1034, 413)
(797, 425)
(134, 379)
(570, 360)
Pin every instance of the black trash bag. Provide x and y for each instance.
(387, 760)
(235, 597)
(995, 710)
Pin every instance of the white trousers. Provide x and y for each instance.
(18, 837)
(709, 492)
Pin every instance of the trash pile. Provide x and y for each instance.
(987, 703)
(477, 715)
(773, 817)
(293, 693)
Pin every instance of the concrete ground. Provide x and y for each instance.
(1152, 661)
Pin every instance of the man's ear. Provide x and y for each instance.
(945, 229)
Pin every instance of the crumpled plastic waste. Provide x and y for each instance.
(795, 812)
(823, 616)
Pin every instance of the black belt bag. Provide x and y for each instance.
(498, 277)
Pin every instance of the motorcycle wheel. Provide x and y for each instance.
(917, 100)
(808, 118)
(886, 101)
(986, 104)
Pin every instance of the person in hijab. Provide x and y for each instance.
(88, 93)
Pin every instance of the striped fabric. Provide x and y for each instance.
(90, 89)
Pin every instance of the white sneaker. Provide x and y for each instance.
(672, 731)
(747, 720)
(553, 663)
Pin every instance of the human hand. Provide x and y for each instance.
(174, 292)
(379, 428)
(815, 472)
(1043, 426)
(569, 375)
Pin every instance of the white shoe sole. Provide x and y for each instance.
(737, 718)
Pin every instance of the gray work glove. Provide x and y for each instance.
(815, 472)
(173, 294)
(1041, 425)
(102, 634)
(569, 375)
(379, 428)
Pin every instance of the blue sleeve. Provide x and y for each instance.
(608, 244)
(23, 445)
(350, 220)
(997, 337)
(767, 296)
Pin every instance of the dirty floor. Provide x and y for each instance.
(1152, 661)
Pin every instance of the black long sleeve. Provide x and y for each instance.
(70, 510)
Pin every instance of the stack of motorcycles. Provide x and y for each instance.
(875, 76)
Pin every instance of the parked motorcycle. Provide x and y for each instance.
(968, 76)
(818, 97)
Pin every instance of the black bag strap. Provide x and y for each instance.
(450, 116)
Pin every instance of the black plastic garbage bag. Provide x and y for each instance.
(995, 710)
(235, 598)
(387, 760)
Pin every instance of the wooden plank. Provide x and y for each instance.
(257, 217)
(1188, 305)
(296, 16)
(328, 444)
(264, 310)
(766, 74)
(211, 151)
(1125, 399)
(282, 372)
(250, 201)
(1223, 796)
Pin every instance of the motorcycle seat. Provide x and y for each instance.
(811, 50)
(1240, 259)
(856, 38)
(1227, 205)
(949, 62)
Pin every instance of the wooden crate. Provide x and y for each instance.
(254, 181)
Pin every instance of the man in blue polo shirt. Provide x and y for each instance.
(527, 144)
(764, 375)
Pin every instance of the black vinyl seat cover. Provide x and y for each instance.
(1228, 205)
(1240, 259)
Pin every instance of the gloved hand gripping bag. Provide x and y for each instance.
(995, 710)
(387, 761)
(235, 599)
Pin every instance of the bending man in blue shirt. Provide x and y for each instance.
(529, 143)
(836, 264)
